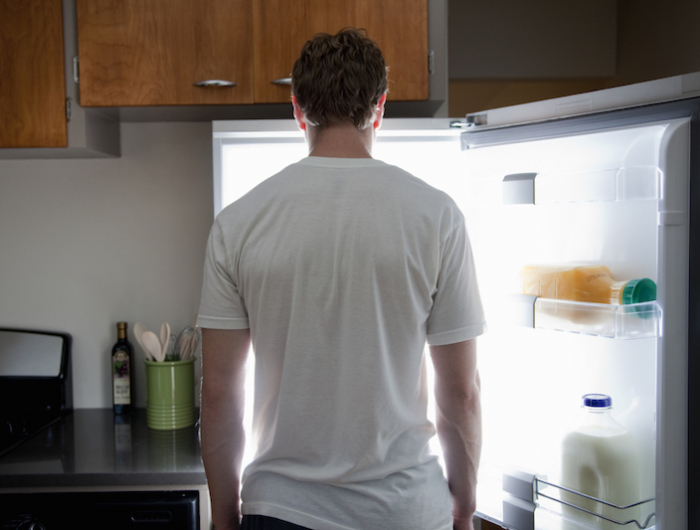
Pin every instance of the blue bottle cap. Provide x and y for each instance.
(597, 401)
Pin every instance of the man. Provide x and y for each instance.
(338, 269)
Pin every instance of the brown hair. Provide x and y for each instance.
(339, 77)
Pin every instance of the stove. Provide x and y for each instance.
(104, 493)
(35, 383)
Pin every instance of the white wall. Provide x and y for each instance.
(87, 243)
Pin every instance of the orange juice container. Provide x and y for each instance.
(586, 283)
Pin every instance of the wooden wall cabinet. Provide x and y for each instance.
(39, 113)
(32, 81)
(136, 53)
(400, 27)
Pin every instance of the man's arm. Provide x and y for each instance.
(224, 354)
(457, 389)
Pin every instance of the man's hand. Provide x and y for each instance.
(462, 523)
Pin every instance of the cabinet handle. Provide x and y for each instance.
(209, 83)
(282, 81)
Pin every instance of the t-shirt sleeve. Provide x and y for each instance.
(222, 305)
(457, 314)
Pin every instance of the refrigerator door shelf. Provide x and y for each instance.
(595, 511)
(620, 164)
(633, 321)
(616, 184)
(527, 496)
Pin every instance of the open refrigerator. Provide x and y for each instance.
(600, 178)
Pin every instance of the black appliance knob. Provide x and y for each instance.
(6, 429)
(31, 524)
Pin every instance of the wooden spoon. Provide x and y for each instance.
(164, 337)
(153, 344)
(139, 330)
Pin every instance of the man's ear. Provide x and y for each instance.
(298, 114)
(379, 112)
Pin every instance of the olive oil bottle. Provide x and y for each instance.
(122, 372)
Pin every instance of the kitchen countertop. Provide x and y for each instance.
(93, 447)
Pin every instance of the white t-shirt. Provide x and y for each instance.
(342, 268)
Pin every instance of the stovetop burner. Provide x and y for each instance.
(18, 426)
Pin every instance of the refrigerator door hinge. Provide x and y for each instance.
(431, 62)
(477, 119)
(76, 77)
(69, 111)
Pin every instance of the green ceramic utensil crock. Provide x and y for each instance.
(170, 394)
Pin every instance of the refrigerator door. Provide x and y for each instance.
(610, 190)
(624, 97)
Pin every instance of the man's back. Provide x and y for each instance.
(340, 268)
(335, 266)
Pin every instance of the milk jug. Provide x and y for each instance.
(601, 459)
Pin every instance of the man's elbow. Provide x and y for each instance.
(216, 395)
(468, 401)
(459, 409)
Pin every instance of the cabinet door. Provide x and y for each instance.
(32, 76)
(279, 33)
(136, 52)
(400, 27)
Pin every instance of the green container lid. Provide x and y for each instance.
(638, 291)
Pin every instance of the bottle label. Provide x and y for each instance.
(120, 374)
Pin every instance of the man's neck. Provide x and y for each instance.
(340, 140)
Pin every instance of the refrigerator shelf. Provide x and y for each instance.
(596, 506)
(633, 321)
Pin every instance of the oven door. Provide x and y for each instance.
(163, 510)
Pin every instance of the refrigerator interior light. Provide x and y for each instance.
(245, 158)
